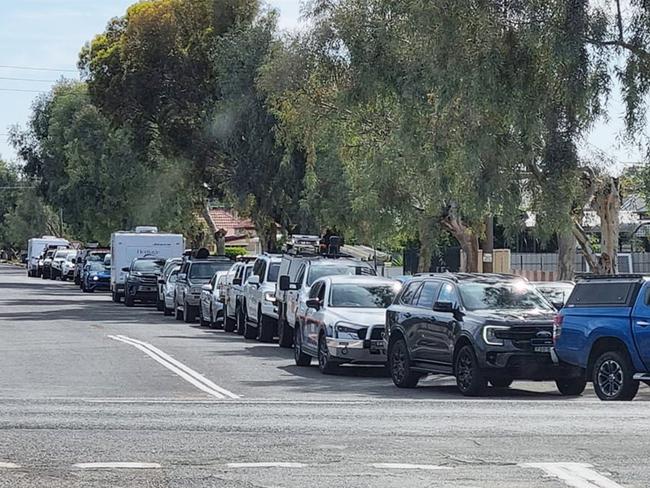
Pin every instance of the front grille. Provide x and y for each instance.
(376, 334)
(528, 337)
(148, 280)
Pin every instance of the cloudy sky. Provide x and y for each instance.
(48, 34)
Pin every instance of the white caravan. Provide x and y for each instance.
(35, 248)
(144, 241)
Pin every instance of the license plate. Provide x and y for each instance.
(543, 349)
(147, 288)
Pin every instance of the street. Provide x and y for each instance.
(95, 394)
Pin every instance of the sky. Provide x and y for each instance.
(48, 34)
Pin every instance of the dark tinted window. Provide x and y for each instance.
(409, 292)
(619, 293)
(205, 271)
(428, 294)
(507, 295)
(146, 265)
(274, 271)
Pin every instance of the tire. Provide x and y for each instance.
(64, 278)
(241, 321)
(571, 386)
(300, 357)
(128, 300)
(399, 364)
(612, 377)
(116, 297)
(228, 323)
(285, 334)
(265, 328)
(501, 382)
(160, 305)
(469, 377)
(178, 314)
(189, 316)
(250, 332)
(202, 321)
(167, 312)
(325, 363)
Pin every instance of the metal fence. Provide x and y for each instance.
(638, 262)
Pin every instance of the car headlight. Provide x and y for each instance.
(489, 334)
(345, 330)
(95, 278)
(269, 296)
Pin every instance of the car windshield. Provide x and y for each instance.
(146, 266)
(62, 254)
(95, 257)
(362, 295)
(507, 295)
(274, 270)
(71, 256)
(316, 272)
(205, 271)
(96, 266)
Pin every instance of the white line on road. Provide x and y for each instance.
(266, 465)
(9, 466)
(117, 466)
(576, 475)
(426, 467)
(188, 374)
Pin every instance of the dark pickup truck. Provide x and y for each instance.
(604, 329)
(478, 327)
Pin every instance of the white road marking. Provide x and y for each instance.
(188, 374)
(9, 466)
(426, 467)
(117, 466)
(576, 475)
(266, 465)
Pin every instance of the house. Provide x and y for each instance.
(239, 232)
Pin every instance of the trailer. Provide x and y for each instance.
(36, 246)
(143, 242)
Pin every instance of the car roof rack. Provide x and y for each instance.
(245, 258)
(622, 276)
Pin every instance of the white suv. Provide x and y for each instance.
(259, 299)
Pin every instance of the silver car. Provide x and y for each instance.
(169, 290)
(344, 321)
(212, 298)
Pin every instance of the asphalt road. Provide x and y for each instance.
(93, 394)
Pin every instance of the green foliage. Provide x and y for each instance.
(234, 252)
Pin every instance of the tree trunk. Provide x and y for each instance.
(425, 231)
(466, 237)
(220, 238)
(566, 263)
(607, 204)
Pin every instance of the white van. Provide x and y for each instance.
(35, 248)
(144, 241)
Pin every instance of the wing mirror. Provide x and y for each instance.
(236, 281)
(313, 303)
(206, 288)
(254, 280)
(446, 307)
(181, 277)
(126, 269)
(284, 283)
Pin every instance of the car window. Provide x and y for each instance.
(262, 270)
(146, 265)
(301, 275)
(274, 271)
(428, 294)
(316, 271)
(409, 292)
(205, 271)
(314, 290)
(247, 273)
(517, 295)
(448, 294)
(354, 295)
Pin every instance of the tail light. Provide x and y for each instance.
(557, 327)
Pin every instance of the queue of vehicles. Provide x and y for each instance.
(482, 329)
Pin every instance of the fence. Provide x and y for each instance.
(638, 262)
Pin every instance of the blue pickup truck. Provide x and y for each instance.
(605, 330)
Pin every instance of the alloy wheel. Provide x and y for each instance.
(610, 378)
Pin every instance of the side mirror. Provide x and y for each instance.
(181, 277)
(446, 307)
(236, 281)
(254, 280)
(313, 303)
(161, 281)
(283, 283)
(206, 288)
(126, 269)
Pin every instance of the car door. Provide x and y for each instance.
(426, 340)
(312, 319)
(405, 316)
(641, 325)
(444, 324)
(293, 295)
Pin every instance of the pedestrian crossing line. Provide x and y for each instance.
(117, 465)
(9, 465)
(266, 465)
(575, 475)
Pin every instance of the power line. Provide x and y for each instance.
(27, 79)
(22, 91)
(32, 68)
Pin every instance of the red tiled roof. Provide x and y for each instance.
(228, 220)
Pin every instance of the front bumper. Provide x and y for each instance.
(140, 291)
(98, 285)
(357, 351)
(270, 309)
(537, 366)
(193, 300)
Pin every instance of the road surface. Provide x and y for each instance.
(93, 394)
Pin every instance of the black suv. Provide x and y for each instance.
(478, 327)
(142, 281)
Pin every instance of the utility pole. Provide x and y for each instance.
(488, 245)
(60, 222)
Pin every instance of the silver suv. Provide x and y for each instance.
(259, 299)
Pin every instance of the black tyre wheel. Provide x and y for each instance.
(250, 332)
(229, 323)
(160, 305)
(399, 364)
(128, 300)
(612, 377)
(178, 314)
(285, 333)
(501, 382)
(266, 328)
(469, 377)
(241, 321)
(571, 386)
(167, 312)
(189, 315)
(325, 363)
(300, 357)
(202, 321)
